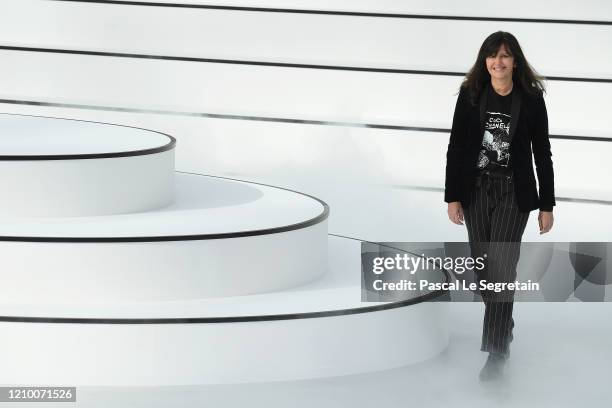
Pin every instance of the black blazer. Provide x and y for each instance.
(528, 128)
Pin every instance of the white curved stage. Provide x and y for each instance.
(231, 283)
(64, 167)
(220, 238)
(317, 330)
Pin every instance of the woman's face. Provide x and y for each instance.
(501, 64)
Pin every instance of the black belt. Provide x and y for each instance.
(486, 175)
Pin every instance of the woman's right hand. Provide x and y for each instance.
(455, 212)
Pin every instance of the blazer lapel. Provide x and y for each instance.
(515, 110)
(483, 106)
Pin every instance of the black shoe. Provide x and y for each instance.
(493, 368)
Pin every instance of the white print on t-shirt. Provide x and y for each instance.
(496, 141)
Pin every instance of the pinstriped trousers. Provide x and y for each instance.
(495, 227)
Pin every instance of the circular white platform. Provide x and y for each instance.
(317, 330)
(221, 237)
(205, 207)
(65, 167)
(41, 138)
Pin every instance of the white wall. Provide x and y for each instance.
(335, 156)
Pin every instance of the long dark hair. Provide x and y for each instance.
(523, 74)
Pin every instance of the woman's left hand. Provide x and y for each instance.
(545, 219)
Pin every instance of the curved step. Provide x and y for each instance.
(67, 167)
(221, 237)
(317, 330)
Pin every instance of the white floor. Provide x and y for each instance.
(561, 357)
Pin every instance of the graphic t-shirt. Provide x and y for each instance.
(495, 151)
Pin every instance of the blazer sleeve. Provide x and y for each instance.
(542, 156)
(456, 149)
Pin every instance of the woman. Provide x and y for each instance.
(499, 120)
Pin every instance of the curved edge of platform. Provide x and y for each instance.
(293, 346)
(168, 146)
(431, 296)
(238, 234)
(233, 319)
(247, 353)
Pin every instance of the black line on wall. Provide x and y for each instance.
(343, 13)
(269, 64)
(264, 119)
